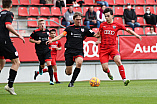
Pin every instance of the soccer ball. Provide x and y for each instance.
(94, 82)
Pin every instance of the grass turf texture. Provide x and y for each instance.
(109, 92)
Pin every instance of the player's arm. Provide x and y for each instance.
(98, 41)
(133, 33)
(57, 37)
(35, 41)
(11, 29)
(58, 48)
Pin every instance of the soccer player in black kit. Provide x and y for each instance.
(75, 35)
(40, 37)
(7, 50)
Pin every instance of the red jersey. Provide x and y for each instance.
(108, 34)
(53, 47)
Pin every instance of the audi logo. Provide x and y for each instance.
(90, 49)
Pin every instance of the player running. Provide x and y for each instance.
(108, 32)
(75, 35)
(39, 37)
(7, 50)
(55, 46)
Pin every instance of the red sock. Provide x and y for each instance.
(108, 71)
(55, 75)
(122, 71)
(44, 70)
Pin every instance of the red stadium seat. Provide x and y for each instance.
(45, 11)
(150, 2)
(118, 19)
(88, 2)
(139, 30)
(132, 2)
(77, 9)
(35, 2)
(140, 20)
(22, 11)
(156, 30)
(64, 9)
(96, 8)
(32, 23)
(24, 2)
(15, 2)
(151, 9)
(119, 10)
(46, 22)
(147, 29)
(33, 11)
(61, 30)
(95, 29)
(126, 33)
(120, 2)
(110, 2)
(140, 2)
(53, 23)
(55, 29)
(55, 11)
(120, 32)
(139, 10)
(85, 9)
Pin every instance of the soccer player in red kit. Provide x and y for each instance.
(108, 32)
(54, 46)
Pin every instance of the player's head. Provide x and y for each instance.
(77, 18)
(52, 33)
(41, 24)
(108, 12)
(7, 3)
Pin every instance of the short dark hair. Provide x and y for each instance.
(6, 3)
(52, 30)
(77, 14)
(108, 10)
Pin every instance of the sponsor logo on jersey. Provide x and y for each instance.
(82, 29)
(109, 32)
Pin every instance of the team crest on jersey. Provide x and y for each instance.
(82, 29)
(114, 27)
(56, 42)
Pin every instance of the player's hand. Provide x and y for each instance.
(38, 42)
(97, 35)
(139, 37)
(97, 42)
(22, 38)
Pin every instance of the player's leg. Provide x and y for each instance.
(117, 60)
(104, 58)
(43, 71)
(79, 61)
(50, 70)
(2, 63)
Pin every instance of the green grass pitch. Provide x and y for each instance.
(109, 92)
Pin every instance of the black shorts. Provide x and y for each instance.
(71, 55)
(44, 56)
(8, 51)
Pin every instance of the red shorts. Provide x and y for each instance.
(53, 61)
(104, 54)
(2, 57)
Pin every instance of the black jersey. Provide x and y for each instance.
(38, 34)
(6, 17)
(75, 36)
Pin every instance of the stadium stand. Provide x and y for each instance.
(45, 11)
(139, 30)
(119, 20)
(118, 11)
(147, 29)
(110, 2)
(32, 23)
(141, 21)
(53, 24)
(139, 10)
(24, 2)
(89, 2)
(33, 11)
(120, 32)
(61, 30)
(22, 11)
(64, 9)
(35, 2)
(156, 10)
(150, 2)
(15, 2)
(85, 9)
(140, 2)
(151, 9)
(119, 2)
(126, 33)
(132, 2)
(95, 30)
(78, 9)
(55, 11)
(96, 8)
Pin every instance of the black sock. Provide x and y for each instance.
(40, 68)
(0, 71)
(75, 74)
(50, 70)
(12, 75)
